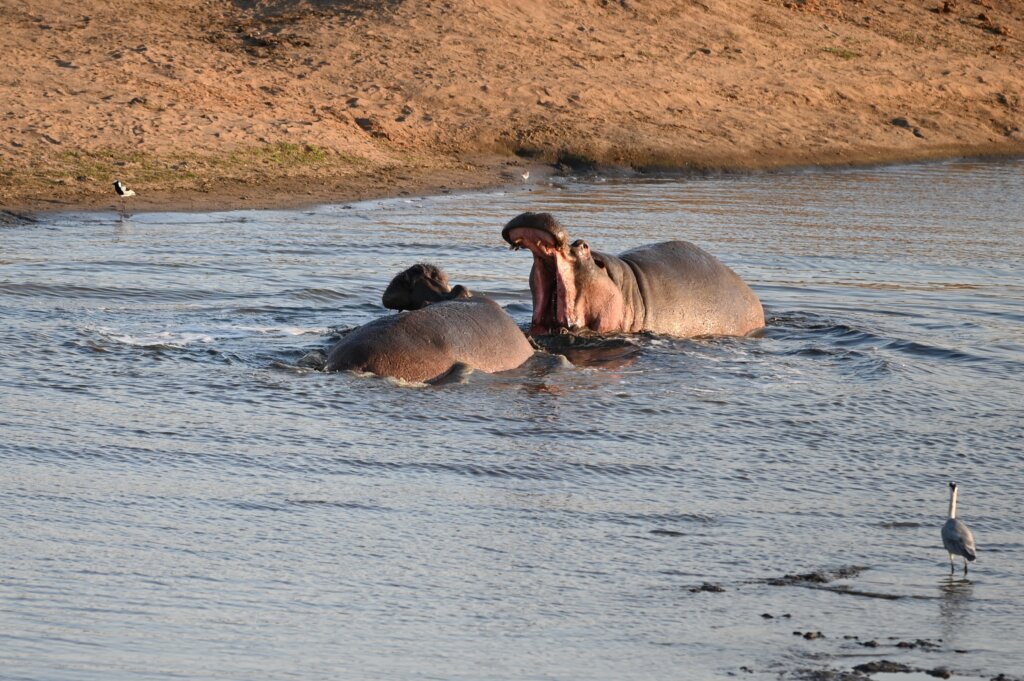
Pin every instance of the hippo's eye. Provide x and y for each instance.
(600, 263)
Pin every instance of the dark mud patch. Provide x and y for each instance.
(886, 666)
(890, 667)
(668, 533)
(810, 635)
(916, 644)
(707, 587)
(9, 218)
(866, 671)
(919, 643)
(840, 589)
(817, 577)
(822, 579)
(828, 675)
(290, 11)
(899, 525)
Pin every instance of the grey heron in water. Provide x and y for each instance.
(956, 536)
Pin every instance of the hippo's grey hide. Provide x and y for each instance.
(423, 344)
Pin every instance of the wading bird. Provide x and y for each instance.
(122, 190)
(124, 193)
(956, 536)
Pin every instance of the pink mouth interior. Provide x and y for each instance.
(547, 278)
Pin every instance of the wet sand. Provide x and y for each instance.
(261, 103)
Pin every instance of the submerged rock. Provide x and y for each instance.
(817, 577)
(887, 666)
(707, 586)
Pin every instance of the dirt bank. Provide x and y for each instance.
(210, 104)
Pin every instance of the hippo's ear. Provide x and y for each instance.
(459, 292)
(599, 261)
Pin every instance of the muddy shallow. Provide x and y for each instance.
(181, 498)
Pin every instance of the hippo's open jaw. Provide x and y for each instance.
(551, 279)
(538, 226)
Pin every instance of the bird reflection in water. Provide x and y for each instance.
(955, 597)
(123, 228)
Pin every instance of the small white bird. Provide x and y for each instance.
(122, 190)
(525, 176)
(956, 536)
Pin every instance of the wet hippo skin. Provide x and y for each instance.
(427, 341)
(673, 288)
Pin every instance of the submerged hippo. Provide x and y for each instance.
(432, 338)
(671, 288)
(419, 286)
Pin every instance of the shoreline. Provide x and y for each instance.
(212, 106)
(481, 174)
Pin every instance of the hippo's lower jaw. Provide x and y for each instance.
(546, 294)
(549, 284)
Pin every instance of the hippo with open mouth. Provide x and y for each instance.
(672, 288)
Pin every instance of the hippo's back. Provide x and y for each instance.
(689, 292)
(425, 343)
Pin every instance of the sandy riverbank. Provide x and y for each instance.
(203, 104)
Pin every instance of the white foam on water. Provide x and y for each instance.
(185, 336)
(285, 330)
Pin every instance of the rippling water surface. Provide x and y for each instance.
(180, 499)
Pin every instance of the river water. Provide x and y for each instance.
(179, 498)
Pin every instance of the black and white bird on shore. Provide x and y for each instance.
(124, 192)
(956, 536)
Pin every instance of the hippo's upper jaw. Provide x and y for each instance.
(534, 226)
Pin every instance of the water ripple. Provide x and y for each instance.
(176, 469)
